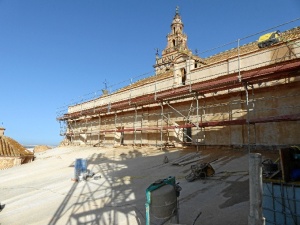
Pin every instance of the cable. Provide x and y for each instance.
(199, 214)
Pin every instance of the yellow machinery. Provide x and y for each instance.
(269, 39)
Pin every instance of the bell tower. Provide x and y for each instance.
(176, 59)
(176, 40)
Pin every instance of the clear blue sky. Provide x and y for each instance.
(54, 52)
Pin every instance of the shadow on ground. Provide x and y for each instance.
(118, 197)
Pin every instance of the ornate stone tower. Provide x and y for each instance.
(176, 58)
(176, 40)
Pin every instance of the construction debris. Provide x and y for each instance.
(166, 160)
(202, 170)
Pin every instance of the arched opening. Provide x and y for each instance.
(183, 76)
(174, 43)
(173, 30)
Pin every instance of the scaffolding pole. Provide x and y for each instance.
(115, 128)
(197, 114)
(142, 120)
(161, 125)
(239, 61)
(134, 125)
(186, 119)
(263, 74)
(99, 128)
(247, 119)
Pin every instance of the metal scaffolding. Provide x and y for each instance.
(245, 82)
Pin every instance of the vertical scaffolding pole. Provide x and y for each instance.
(115, 128)
(197, 121)
(104, 132)
(190, 74)
(161, 125)
(61, 128)
(135, 121)
(74, 133)
(253, 108)
(99, 128)
(247, 118)
(168, 134)
(86, 129)
(155, 90)
(95, 102)
(89, 133)
(130, 90)
(203, 112)
(156, 133)
(142, 119)
(239, 62)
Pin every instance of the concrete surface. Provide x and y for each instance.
(42, 192)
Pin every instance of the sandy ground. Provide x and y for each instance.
(42, 192)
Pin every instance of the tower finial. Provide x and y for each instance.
(177, 9)
(157, 54)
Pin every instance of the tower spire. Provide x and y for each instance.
(176, 40)
(176, 48)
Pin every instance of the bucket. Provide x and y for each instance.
(163, 202)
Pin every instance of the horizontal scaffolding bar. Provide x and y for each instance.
(276, 71)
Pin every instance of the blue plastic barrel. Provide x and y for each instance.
(80, 168)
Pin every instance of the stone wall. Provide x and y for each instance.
(8, 162)
(143, 126)
(175, 121)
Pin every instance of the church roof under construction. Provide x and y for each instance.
(286, 36)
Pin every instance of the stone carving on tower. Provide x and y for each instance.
(176, 59)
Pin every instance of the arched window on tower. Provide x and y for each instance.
(174, 43)
(183, 76)
(173, 30)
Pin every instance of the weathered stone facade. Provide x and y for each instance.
(242, 97)
(8, 162)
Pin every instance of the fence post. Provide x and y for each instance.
(255, 187)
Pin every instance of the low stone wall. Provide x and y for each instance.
(8, 162)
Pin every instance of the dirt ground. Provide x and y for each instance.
(43, 192)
